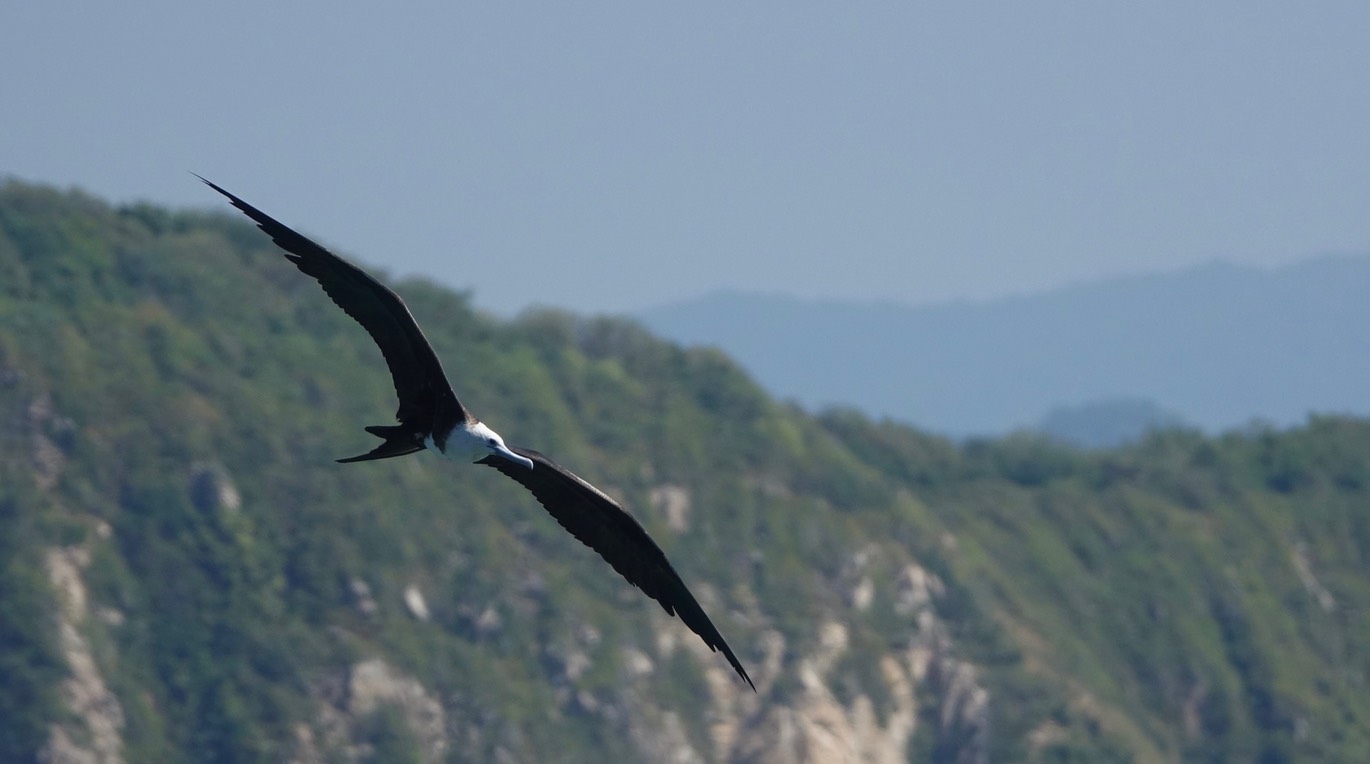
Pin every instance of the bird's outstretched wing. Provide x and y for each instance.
(604, 526)
(420, 383)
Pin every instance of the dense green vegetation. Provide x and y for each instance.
(173, 395)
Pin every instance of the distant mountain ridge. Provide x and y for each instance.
(1220, 345)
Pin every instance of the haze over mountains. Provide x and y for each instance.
(1217, 346)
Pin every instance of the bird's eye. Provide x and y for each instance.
(489, 441)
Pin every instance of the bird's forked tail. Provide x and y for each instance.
(399, 440)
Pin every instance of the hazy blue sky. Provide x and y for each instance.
(605, 157)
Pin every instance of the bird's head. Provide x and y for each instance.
(488, 442)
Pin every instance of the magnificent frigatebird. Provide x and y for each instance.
(431, 417)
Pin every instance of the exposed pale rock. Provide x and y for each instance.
(47, 458)
(414, 602)
(660, 736)
(674, 502)
(915, 590)
(813, 725)
(576, 664)
(110, 616)
(212, 489)
(84, 692)
(832, 643)
(862, 595)
(489, 622)
(361, 597)
(637, 663)
(306, 750)
(48, 461)
(372, 683)
(856, 575)
(1298, 555)
(64, 566)
(61, 749)
(1046, 734)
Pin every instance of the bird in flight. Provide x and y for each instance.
(431, 417)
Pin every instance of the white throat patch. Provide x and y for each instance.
(470, 442)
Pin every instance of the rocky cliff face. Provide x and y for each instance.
(94, 733)
(803, 712)
(813, 725)
(808, 708)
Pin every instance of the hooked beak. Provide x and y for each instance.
(504, 451)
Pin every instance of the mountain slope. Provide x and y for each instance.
(187, 575)
(1219, 345)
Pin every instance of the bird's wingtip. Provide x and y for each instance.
(743, 673)
(209, 183)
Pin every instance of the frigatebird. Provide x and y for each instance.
(432, 418)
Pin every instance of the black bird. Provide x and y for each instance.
(431, 417)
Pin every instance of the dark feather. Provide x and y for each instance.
(602, 524)
(399, 441)
(426, 398)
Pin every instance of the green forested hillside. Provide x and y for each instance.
(186, 575)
